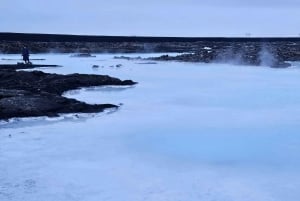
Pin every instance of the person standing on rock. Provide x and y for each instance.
(25, 54)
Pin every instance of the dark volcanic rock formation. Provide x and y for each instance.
(83, 55)
(247, 51)
(243, 54)
(19, 103)
(31, 94)
(38, 81)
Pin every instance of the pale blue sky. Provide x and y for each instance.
(158, 18)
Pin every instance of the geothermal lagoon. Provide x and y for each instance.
(186, 131)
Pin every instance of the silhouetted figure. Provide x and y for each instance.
(25, 54)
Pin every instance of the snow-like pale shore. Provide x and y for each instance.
(211, 132)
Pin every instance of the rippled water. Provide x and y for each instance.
(185, 132)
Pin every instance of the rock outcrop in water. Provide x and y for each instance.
(20, 103)
(32, 94)
(83, 55)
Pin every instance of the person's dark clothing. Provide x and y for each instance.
(25, 54)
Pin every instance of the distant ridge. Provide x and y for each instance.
(37, 37)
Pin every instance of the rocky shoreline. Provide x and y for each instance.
(273, 54)
(33, 94)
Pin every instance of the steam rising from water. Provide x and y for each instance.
(266, 56)
(243, 54)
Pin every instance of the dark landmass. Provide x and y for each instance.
(37, 37)
(288, 48)
(249, 51)
(19, 103)
(32, 94)
(255, 54)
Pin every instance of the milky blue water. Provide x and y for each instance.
(211, 132)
